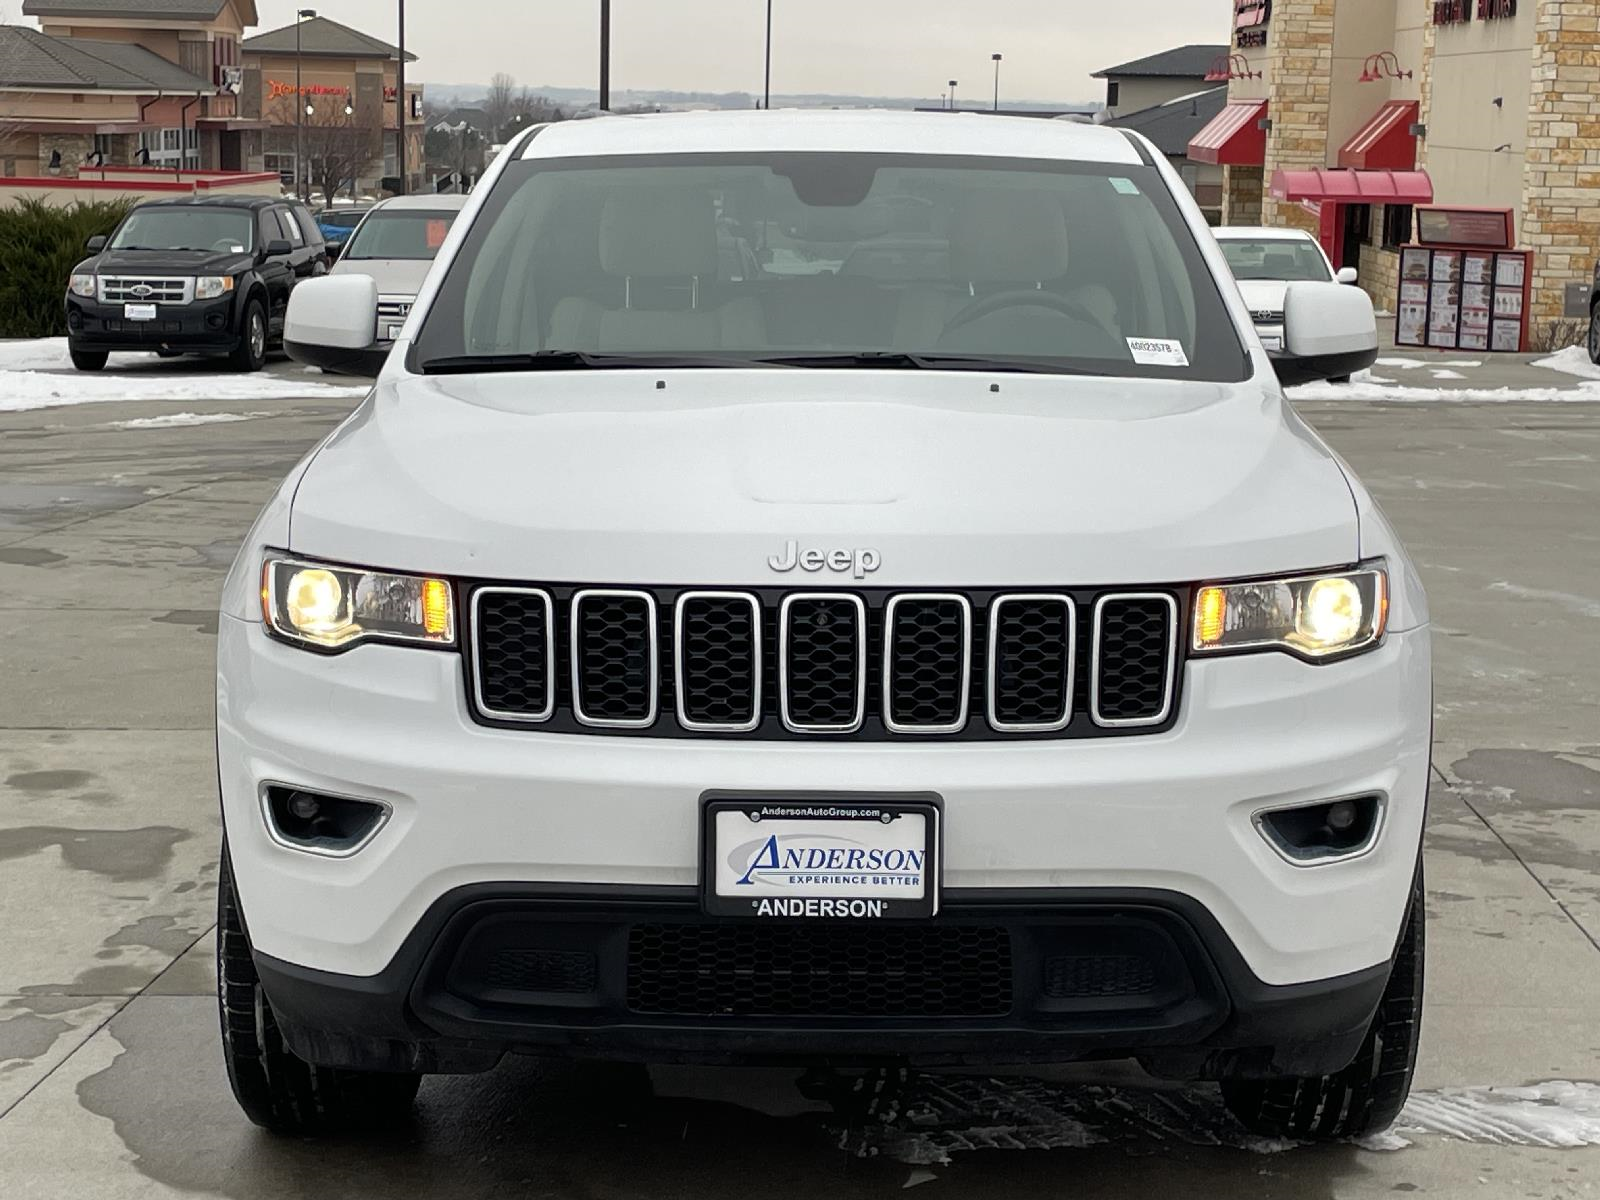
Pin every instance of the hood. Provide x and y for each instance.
(169, 262)
(699, 477)
(1263, 295)
(394, 276)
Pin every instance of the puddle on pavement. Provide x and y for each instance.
(121, 855)
(30, 505)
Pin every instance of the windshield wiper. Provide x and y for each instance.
(894, 360)
(578, 360)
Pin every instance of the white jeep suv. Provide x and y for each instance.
(833, 587)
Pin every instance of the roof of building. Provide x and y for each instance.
(319, 35)
(839, 131)
(157, 10)
(1181, 62)
(29, 58)
(1172, 124)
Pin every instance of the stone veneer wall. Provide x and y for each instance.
(1299, 77)
(74, 147)
(1380, 271)
(1241, 196)
(1561, 179)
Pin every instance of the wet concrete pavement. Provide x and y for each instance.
(112, 545)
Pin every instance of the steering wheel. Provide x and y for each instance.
(1020, 298)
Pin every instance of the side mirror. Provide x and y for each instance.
(1328, 330)
(96, 244)
(332, 323)
(1345, 275)
(278, 247)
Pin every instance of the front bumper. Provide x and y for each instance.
(201, 326)
(1170, 812)
(641, 974)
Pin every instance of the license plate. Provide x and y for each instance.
(139, 312)
(821, 858)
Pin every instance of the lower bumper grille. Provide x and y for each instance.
(877, 970)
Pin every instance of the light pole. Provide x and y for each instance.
(402, 104)
(605, 55)
(767, 102)
(953, 95)
(305, 14)
(996, 58)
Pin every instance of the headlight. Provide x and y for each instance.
(82, 285)
(1314, 616)
(209, 287)
(336, 607)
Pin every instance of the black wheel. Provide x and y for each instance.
(1339, 379)
(88, 360)
(276, 1089)
(251, 352)
(1367, 1095)
(1594, 334)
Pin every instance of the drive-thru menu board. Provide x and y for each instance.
(1459, 290)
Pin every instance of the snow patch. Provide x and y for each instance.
(1557, 1115)
(1369, 390)
(1445, 374)
(1583, 606)
(185, 418)
(1574, 360)
(1401, 363)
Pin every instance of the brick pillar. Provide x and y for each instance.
(1561, 220)
(1299, 76)
(74, 147)
(1241, 196)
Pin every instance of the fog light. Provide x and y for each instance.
(304, 806)
(1341, 816)
(320, 823)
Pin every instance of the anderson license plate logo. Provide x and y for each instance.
(819, 861)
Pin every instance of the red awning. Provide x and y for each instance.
(1233, 137)
(1385, 142)
(1354, 187)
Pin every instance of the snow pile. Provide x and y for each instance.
(185, 418)
(1556, 1115)
(1369, 389)
(1574, 360)
(38, 374)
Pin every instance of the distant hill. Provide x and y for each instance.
(452, 94)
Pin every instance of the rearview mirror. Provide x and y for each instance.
(1329, 330)
(97, 243)
(1345, 275)
(332, 323)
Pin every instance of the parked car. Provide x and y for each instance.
(982, 667)
(193, 276)
(395, 243)
(1265, 262)
(1594, 316)
(337, 224)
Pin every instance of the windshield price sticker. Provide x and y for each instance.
(820, 860)
(1157, 352)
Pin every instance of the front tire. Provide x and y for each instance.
(88, 360)
(1367, 1095)
(251, 352)
(278, 1090)
(1594, 334)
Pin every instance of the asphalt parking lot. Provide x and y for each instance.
(113, 542)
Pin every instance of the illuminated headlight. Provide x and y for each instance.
(82, 285)
(336, 607)
(209, 287)
(1314, 616)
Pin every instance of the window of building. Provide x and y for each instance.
(1396, 226)
(283, 164)
(1113, 93)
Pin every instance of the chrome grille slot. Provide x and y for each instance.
(1032, 656)
(1135, 655)
(615, 672)
(146, 289)
(822, 662)
(514, 653)
(927, 662)
(717, 655)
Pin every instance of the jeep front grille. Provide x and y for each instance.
(865, 665)
(146, 289)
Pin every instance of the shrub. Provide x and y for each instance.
(1557, 334)
(39, 246)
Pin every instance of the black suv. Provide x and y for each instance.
(1594, 316)
(193, 276)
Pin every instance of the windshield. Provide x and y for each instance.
(1275, 258)
(833, 259)
(222, 230)
(414, 233)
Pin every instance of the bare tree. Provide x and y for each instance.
(339, 147)
(500, 104)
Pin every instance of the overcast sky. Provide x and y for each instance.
(866, 47)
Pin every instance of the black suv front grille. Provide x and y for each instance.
(868, 665)
(827, 970)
